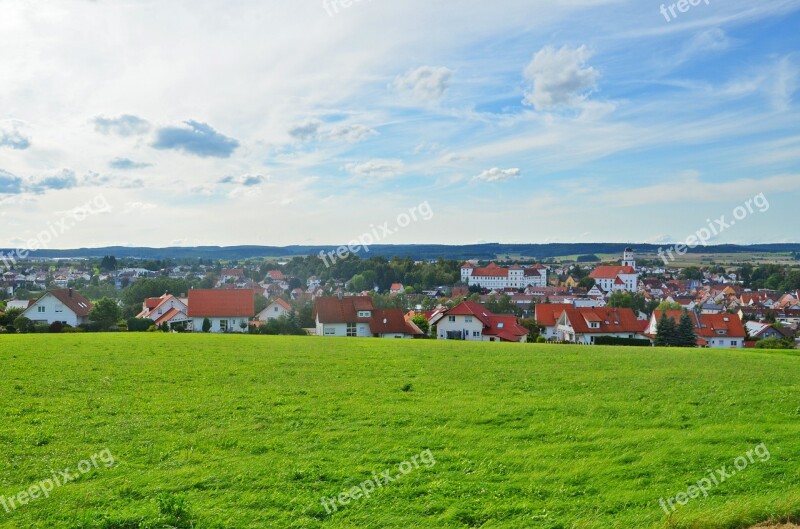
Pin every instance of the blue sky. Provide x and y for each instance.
(307, 122)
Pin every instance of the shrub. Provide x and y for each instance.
(56, 327)
(23, 325)
(774, 343)
(628, 342)
(41, 328)
(139, 324)
(541, 339)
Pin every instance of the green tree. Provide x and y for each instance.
(685, 335)
(669, 305)
(206, 325)
(422, 322)
(105, 313)
(666, 332)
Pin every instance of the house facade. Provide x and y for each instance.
(498, 277)
(584, 325)
(64, 305)
(274, 310)
(470, 321)
(228, 310)
(165, 309)
(716, 331)
(357, 317)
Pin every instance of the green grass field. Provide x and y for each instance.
(249, 431)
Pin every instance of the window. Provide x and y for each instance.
(223, 325)
(468, 319)
(330, 331)
(41, 309)
(59, 308)
(451, 318)
(352, 329)
(734, 343)
(476, 334)
(364, 314)
(276, 309)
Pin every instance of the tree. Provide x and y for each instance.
(774, 343)
(685, 335)
(665, 332)
(108, 263)
(23, 325)
(587, 283)
(692, 272)
(105, 313)
(669, 305)
(422, 322)
(206, 325)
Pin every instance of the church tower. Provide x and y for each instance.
(628, 258)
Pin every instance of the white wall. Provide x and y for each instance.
(461, 323)
(54, 311)
(233, 324)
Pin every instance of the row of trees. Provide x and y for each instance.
(672, 334)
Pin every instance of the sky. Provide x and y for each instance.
(184, 123)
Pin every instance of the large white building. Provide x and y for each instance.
(496, 277)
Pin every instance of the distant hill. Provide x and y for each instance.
(416, 251)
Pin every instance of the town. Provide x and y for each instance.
(589, 302)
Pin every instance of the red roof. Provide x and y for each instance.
(171, 313)
(609, 320)
(283, 304)
(331, 309)
(221, 303)
(275, 275)
(721, 325)
(492, 270)
(470, 308)
(72, 300)
(610, 272)
(391, 321)
(548, 314)
(506, 328)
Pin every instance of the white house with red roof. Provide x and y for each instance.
(623, 278)
(471, 321)
(165, 309)
(357, 317)
(716, 331)
(397, 288)
(64, 305)
(228, 310)
(275, 310)
(494, 276)
(584, 325)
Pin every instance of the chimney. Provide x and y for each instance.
(341, 294)
(69, 292)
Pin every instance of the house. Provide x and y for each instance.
(228, 310)
(494, 276)
(357, 317)
(757, 331)
(20, 304)
(396, 288)
(618, 278)
(584, 325)
(715, 331)
(472, 322)
(274, 310)
(313, 283)
(65, 305)
(165, 309)
(275, 275)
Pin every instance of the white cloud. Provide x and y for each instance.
(559, 77)
(426, 84)
(377, 169)
(498, 175)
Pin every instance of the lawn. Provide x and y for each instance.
(252, 431)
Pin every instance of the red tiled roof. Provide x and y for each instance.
(611, 320)
(331, 309)
(72, 300)
(283, 304)
(610, 272)
(470, 308)
(221, 303)
(391, 321)
(492, 270)
(548, 314)
(506, 328)
(171, 313)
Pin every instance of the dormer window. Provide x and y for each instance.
(364, 314)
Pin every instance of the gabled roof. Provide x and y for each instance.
(331, 309)
(611, 272)
(221, 303)
(506, 328)
(391, 321)
(470, 308)
(609, 320)
(547, 314)
(71, 299)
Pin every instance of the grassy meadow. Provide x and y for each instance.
(252, 431)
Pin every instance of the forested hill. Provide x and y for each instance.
(417, 251)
